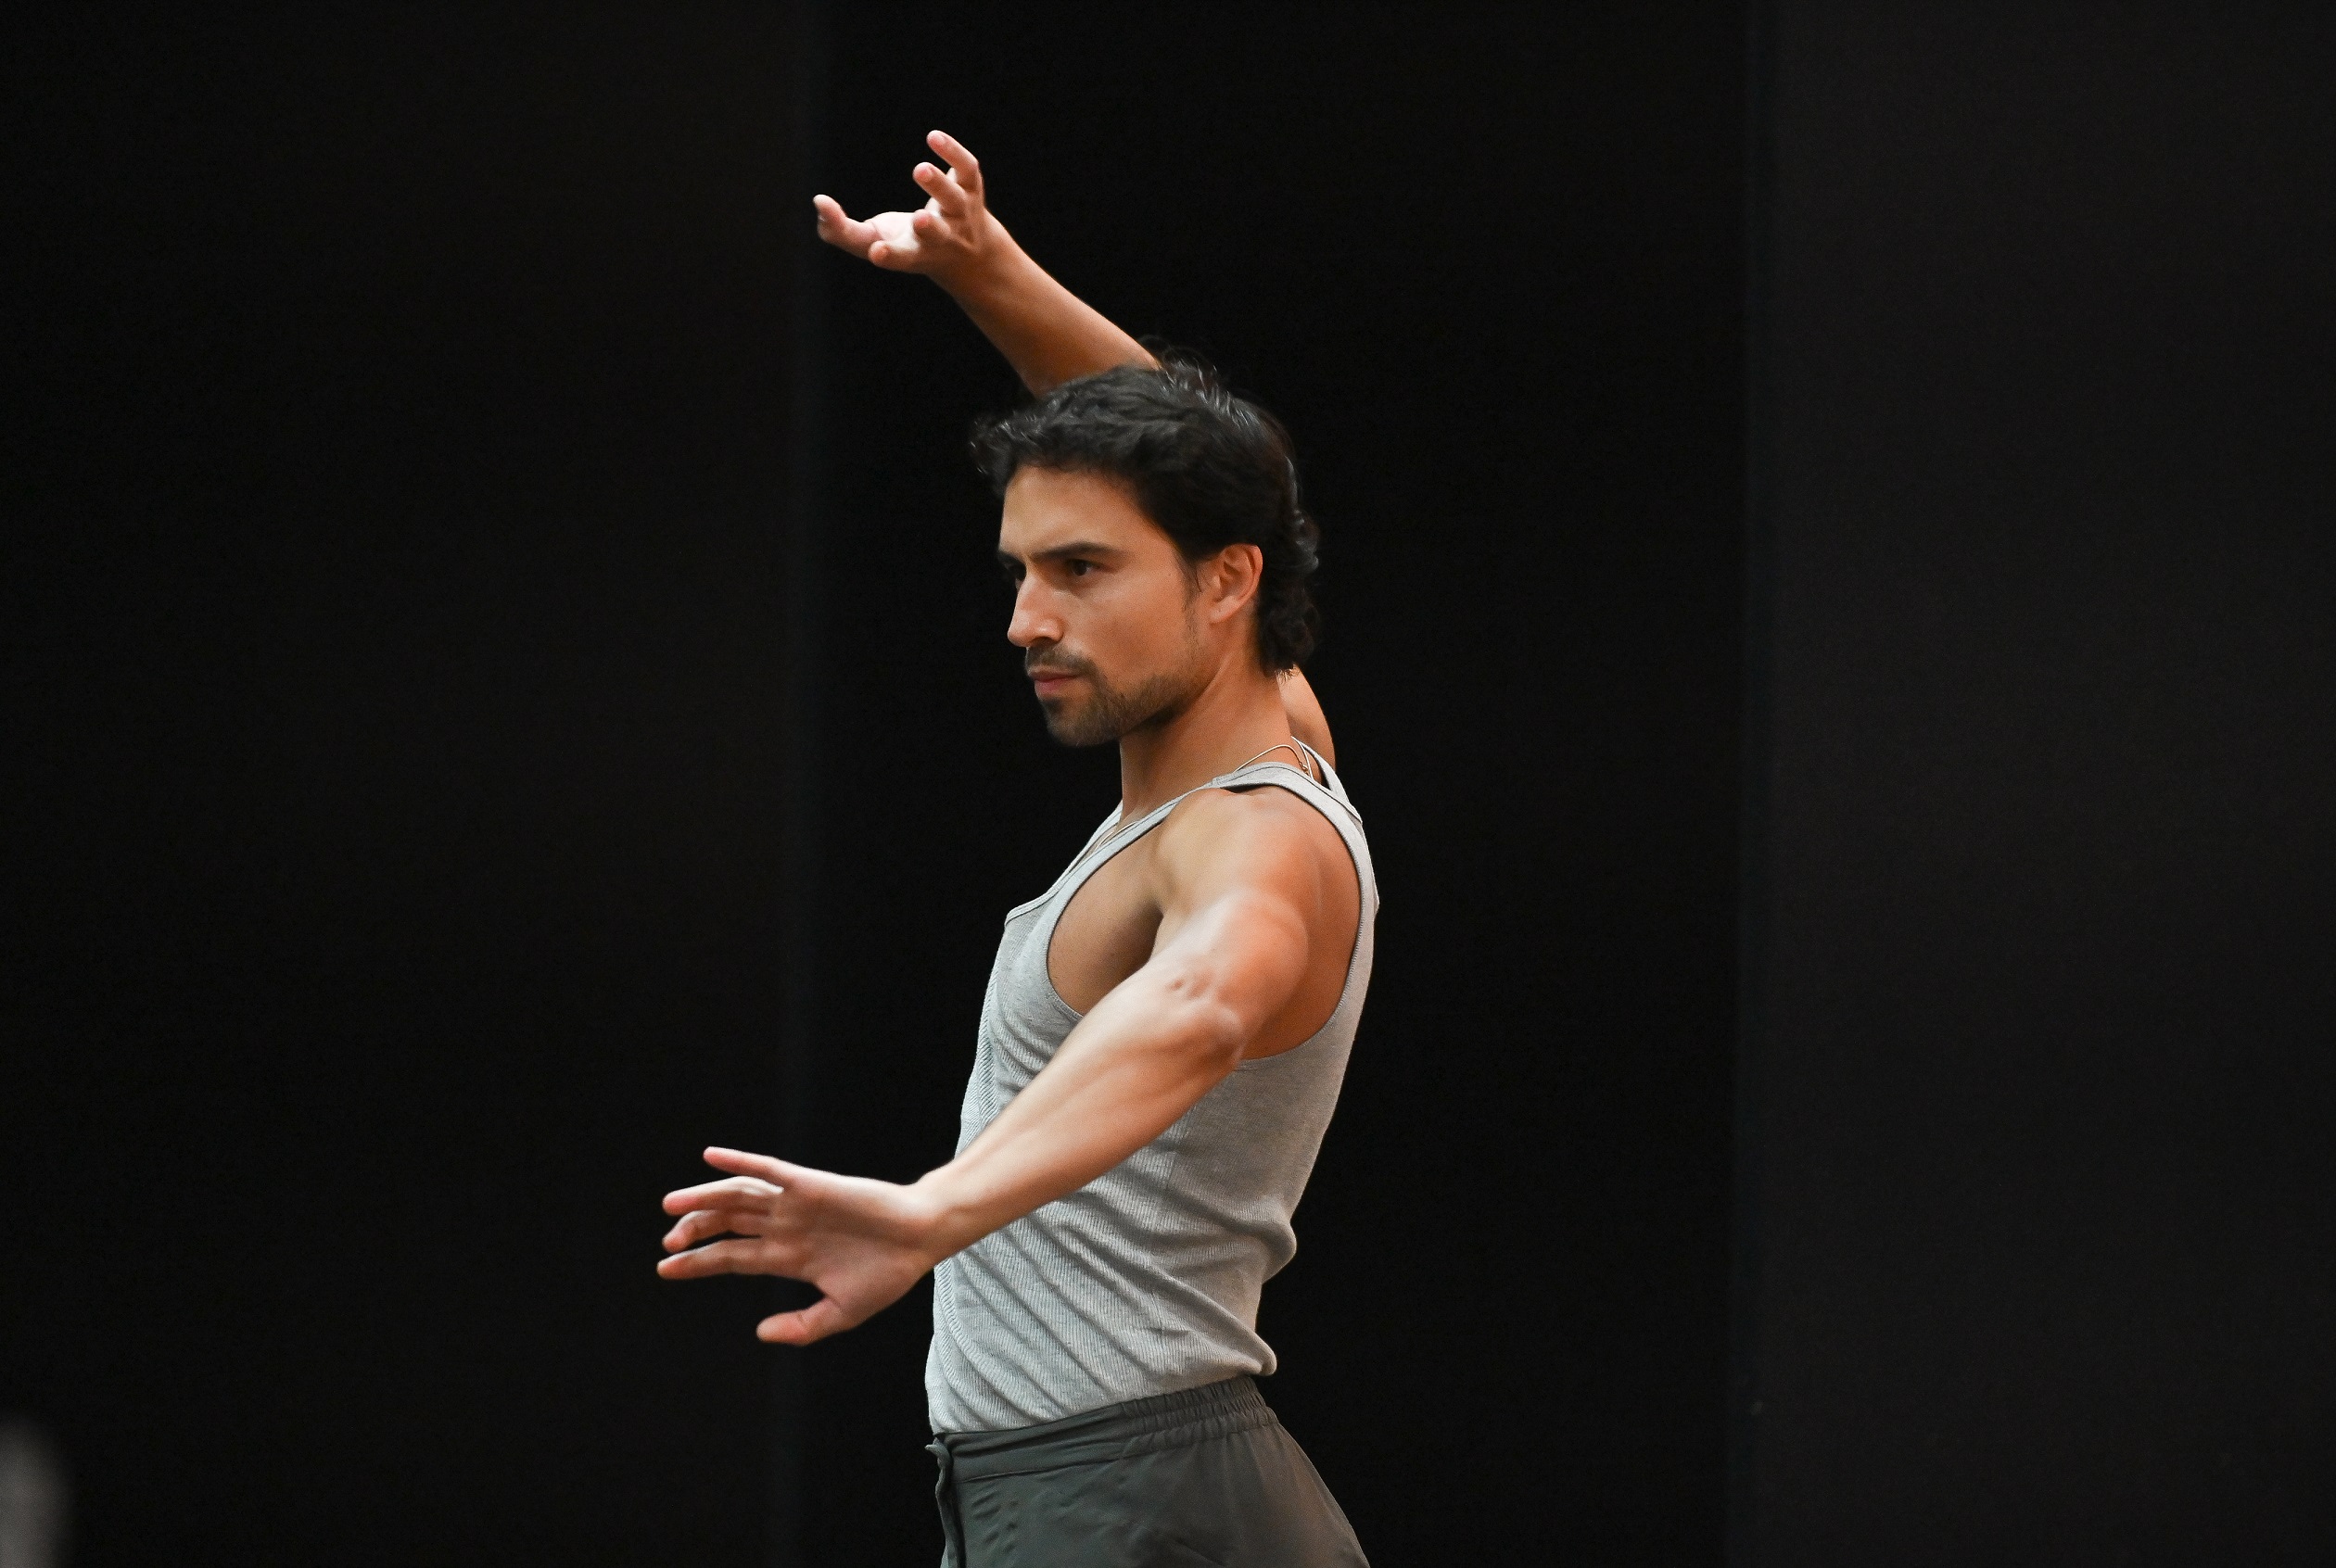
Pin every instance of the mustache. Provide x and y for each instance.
(1054, 662)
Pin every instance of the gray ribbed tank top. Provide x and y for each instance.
(1145, 1280)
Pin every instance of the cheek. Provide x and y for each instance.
(1143, 627)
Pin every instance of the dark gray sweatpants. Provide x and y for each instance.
(1185, 1480)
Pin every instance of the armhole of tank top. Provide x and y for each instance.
(1054, 887)
(1076, 876)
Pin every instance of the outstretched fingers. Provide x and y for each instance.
(951, 198)
(739, 1192)
(739, 1163)
(923, 241)
(717, 1257)
(704, 1224)
(963, 164)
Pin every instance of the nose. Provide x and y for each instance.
(1034, 620)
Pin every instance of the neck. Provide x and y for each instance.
(1236, 714)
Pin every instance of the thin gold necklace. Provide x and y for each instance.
(1305, 758)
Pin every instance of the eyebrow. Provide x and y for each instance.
(1077, 548)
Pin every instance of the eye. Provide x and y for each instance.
(1077, 567)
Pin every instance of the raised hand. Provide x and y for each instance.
(1044, 331)
(862, 1243)
(952, 233)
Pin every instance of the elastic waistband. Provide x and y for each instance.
(1139, 1427)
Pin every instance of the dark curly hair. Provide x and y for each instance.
(1210, 468)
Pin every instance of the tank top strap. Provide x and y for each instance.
(1325, 793)
(1329, 777)
(1115, 835)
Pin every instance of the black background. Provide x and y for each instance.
(394, 468)
(506, 685)
(2041, 1182)
(401, 619)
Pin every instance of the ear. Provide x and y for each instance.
(1229, 579)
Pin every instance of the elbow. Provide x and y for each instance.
(1224, 1039)
(1213, 1028)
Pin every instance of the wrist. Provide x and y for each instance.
(944, 1222)
(991, 272)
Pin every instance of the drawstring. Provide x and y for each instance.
(945, 1496)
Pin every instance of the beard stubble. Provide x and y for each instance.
(1110, 711)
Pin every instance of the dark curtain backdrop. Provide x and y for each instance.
(2041, 1188)
(1486, 261)
(393, 496)
(459, 762)
(506, 684)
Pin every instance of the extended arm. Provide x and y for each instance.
(1240, 900)
(1239, 903)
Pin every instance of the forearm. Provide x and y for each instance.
(1145, 1056)
(1047, 334)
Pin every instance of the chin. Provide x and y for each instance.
(1078, 725)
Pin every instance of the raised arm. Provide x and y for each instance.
(1047, 332)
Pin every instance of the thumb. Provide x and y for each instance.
(818, 1320)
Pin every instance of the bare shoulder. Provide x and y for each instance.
(1261, 835)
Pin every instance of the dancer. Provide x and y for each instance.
(1166, 1027)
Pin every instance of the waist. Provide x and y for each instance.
(1112, 1431)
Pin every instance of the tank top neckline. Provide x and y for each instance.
(1114, 835)
(1327, 784)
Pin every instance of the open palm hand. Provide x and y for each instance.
(862, 1243)
(953, 231)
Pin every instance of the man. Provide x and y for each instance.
(1165, 1029)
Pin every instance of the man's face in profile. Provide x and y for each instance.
(1104, 606)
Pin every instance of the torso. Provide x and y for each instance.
(1110, 929)
(1147, 1280)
